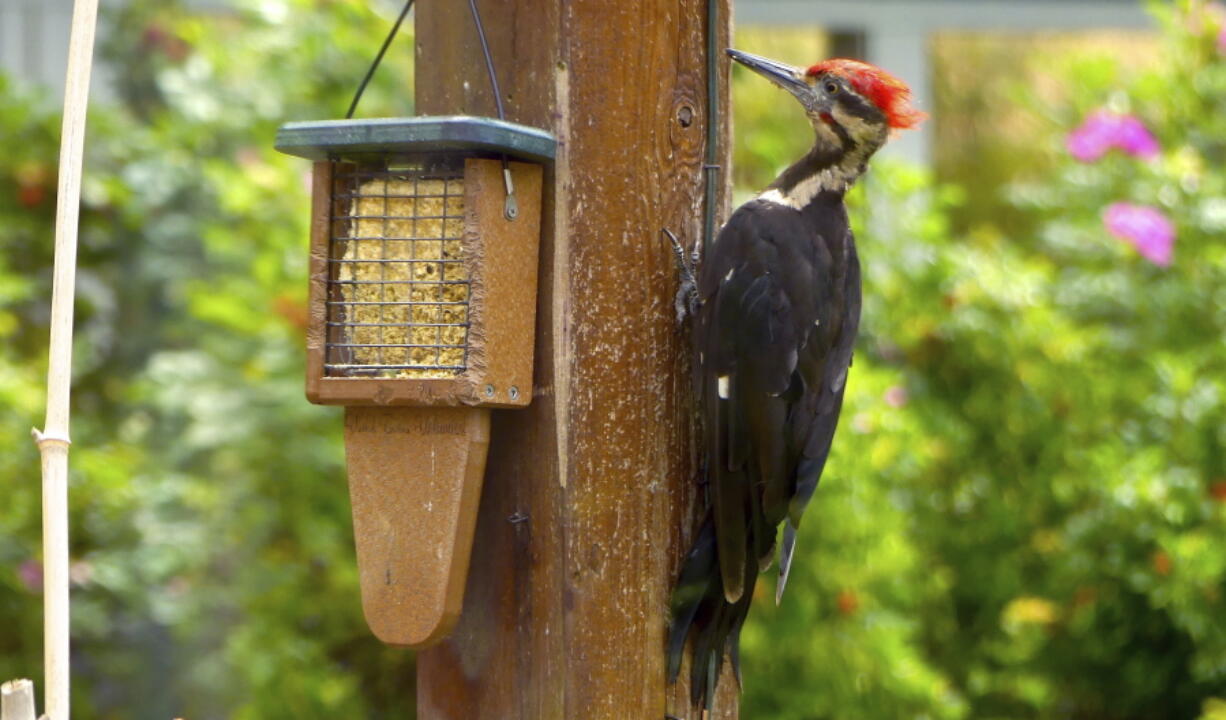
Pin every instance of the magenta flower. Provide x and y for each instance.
(896, 396)
(1143, 227)
(1093, 138)
(1135, 139)
(1221, 39)
(31, 574)
(1104, 130)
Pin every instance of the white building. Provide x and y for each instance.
(895, 34)
(892, 33)
(34, 40)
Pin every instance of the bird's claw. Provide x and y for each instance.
(687, 301)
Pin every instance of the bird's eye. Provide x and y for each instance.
(831, 87)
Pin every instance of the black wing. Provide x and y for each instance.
(774, 310)
(773, 340)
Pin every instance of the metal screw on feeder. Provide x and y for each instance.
(424, 244)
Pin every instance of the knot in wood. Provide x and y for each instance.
(685, 116)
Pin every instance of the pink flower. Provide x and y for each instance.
(31, 574)
(1103, 130)
(1093, 138)
(1135, 139)
(896, 396)
(1221, 39)
(1143, 227)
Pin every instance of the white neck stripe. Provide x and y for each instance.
(834, 179)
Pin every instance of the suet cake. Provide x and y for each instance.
(404, 252)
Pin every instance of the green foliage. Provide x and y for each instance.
(1024, 515)
(769, 126)
(1025, 511)
(997, 96)
(214, 572)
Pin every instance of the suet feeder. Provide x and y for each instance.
(423, 274)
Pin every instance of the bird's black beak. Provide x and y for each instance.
(787, 77)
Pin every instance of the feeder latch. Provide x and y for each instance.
(511, 208)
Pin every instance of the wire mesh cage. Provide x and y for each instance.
(398, 282)
(424, 254)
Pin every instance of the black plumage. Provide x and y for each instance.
(778, 311)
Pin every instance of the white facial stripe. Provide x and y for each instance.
(860, 130)
(825, 134)
(725, 389)
(864, 136)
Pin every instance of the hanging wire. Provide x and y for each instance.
(710, 166)
(489, 62)
(511, 209)
(378, 58)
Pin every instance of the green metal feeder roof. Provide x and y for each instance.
(332, 139)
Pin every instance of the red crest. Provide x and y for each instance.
(888, 93)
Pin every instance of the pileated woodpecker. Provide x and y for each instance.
(778, 305)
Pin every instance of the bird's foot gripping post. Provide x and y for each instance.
(772, 355)
(687, 300)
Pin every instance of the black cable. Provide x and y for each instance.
(489, 62)
(378, 58)
(512, 207)
(710, 167)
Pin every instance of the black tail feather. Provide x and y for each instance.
(698, 572)
(734, 645)
(702, 663)
(701, 614)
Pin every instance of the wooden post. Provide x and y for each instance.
(589, 494)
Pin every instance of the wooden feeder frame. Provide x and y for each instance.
(416, 446)
(500, 253)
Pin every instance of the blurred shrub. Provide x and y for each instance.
(769, 127)
(1023, 518)
(1025, 513)
(213, 559)
(996, 97)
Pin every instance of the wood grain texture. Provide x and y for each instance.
(317, 333)
(502, 260)
(589, 493)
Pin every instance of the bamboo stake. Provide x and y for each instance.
(53, 439)
(17, 700)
